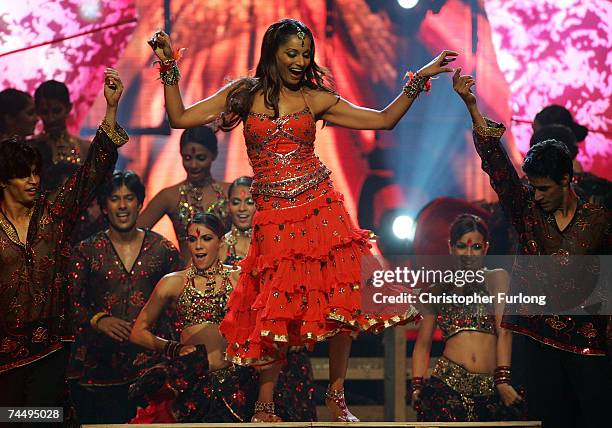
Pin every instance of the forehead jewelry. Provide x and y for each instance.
(301, 35)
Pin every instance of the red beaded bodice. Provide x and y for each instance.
(281, 153)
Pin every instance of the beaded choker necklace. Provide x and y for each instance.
(232, 239)
(209, 274)
(246, 232)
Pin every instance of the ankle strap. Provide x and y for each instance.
(335, 394)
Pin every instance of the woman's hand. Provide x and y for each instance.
(508, 394)
(439, 64)
(463, 86)
(113, 87)
(161, 45)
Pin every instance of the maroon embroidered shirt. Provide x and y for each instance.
(101, 283)
(33, 292)
(589, 233)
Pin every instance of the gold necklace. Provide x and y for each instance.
(232, 238)
(244, 233)
(209, 274)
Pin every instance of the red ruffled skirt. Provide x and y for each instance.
(300, 282)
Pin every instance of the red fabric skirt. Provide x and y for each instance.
(158, 410)
(300, 282)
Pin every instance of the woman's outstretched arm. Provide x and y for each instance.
(200, 113)
(343, 113)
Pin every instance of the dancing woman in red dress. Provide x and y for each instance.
(301, 279)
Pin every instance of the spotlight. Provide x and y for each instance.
(403, 227)
(395, 232)
(407, 4)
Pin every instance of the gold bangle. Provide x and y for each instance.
(96, 318)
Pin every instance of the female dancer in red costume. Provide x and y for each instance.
(300, 281)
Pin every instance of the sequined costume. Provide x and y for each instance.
(101, 368)
(569, 379)
(301, 279)
(231, 257)
(452, 393)
(184, 389)
(195, 306)
(186, 208)
(101, 283)
(589, 233)
(69, 154)
(293, 394)
(35, 320)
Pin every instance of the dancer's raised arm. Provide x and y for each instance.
(343, 113)
(200, 113)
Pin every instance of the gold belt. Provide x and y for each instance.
(463, 381)
(305, 181)
(467, 384)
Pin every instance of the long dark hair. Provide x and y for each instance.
(267, 77)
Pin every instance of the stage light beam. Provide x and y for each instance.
(408, 4)
(403, 227)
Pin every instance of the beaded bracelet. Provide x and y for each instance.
(416, 84)
(169, 72)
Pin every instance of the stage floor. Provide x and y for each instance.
(524, 424)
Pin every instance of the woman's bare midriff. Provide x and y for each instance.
(474, 350)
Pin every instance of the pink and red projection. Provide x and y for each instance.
(72, 41)
(530, 54)
(558, 52)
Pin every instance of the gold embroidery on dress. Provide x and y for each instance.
(187, 209)
(195, 306)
